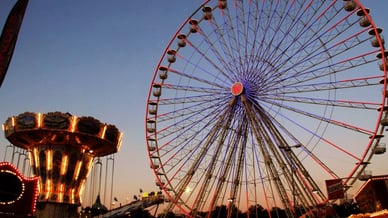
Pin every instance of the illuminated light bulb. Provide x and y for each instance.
(103, 132)
(77, 170)
(39, 120)
(49, 159)
(65, 162)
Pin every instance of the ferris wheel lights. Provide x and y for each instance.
(187, 189)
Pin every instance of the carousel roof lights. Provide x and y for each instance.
(49, 159)
(65, 162)
(39, 119)
(73, 123)
(62, 149)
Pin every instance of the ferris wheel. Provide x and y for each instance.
(260, 102)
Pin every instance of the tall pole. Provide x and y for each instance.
(293, 188)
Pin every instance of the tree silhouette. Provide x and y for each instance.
(141, 213)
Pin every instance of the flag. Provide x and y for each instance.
(9, 36)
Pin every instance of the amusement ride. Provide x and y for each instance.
(260, 102)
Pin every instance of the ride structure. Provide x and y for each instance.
(259, 102)
(61, 148)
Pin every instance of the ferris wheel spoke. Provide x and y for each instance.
(326, 102)
(304, 180)
(193, 89)
(308, 42)
(336, 49)
(231, 172)
(266, 146)
(327, 141)
(185, 127)
(204, 80)
(208, 142)
(329, 102)
(275, 50)
(316, 71)
(331, 85)
(297, 143)
(328, 120)
(192, 107)
(220, 55)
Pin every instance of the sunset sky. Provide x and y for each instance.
(97, 58)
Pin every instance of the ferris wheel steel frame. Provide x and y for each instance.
(251, 98)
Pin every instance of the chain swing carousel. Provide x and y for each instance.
(62, 148)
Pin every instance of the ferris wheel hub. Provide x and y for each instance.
(237, 88)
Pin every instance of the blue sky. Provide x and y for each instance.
(97, 58)
(93, 58)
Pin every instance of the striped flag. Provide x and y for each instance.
(9, 36)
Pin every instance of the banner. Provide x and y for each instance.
(9, 36)
(335, 189)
